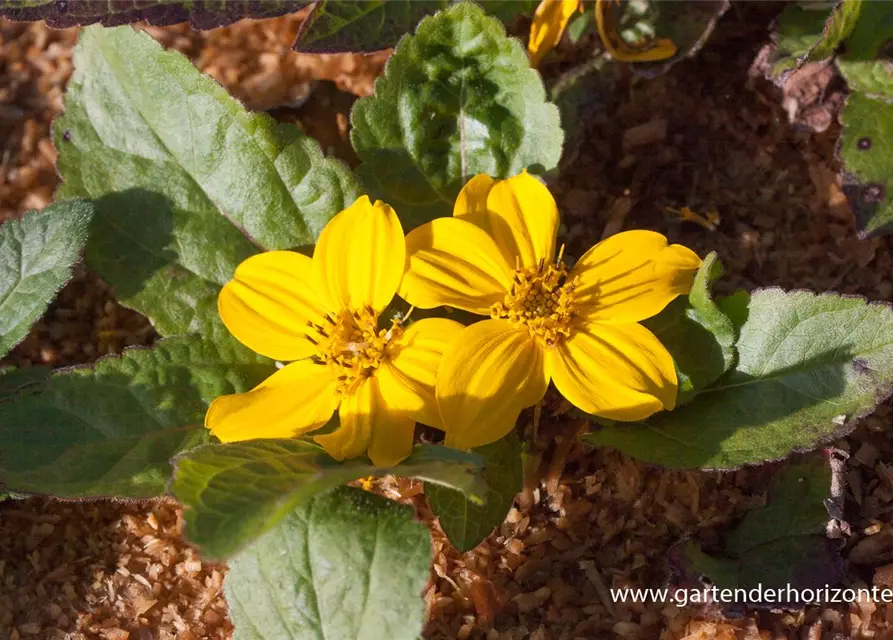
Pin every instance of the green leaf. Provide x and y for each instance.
(688, 23)
(334, 26)
(796, 32)
(782, 544)
(467, 524)
(37, 254)
(838, 27)
(331, 26)
(699, 336)
(13, 381)
(735, 308)
(232, 493)
(795, 507)
(809, 366)
(865, 149)
(867, 119)
(580, 25)
(804, 34)
(866, 62)
(348, 564)
(201, 14)
(872, 78)
(508, 10)
(687, 561)
(187, 182)
(468, 102)
(111, 429)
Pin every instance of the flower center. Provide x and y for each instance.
(352, 343)
(542, 298)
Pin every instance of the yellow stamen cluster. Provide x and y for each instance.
(542, 298)
(351, 342)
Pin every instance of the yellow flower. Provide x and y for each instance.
(322, 314)
(622, 51)
(552, 17)
(576, 327)
(549, 23)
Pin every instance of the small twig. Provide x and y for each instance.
(526, 498)
(537, 414)
(531, 461)
(595, 577)
(559, 458)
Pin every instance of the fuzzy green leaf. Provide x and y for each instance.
(458, 98)
(797, 31)
(112, 429)
(782, 544)
(699, 336)
(187, 182)
(795, 507)
(36, 257)
(348, 564)
(332, 25)
(866, 62)
(868, 119)
(12, 380)
(232, 493)
(809, 366)
(508, 10)
(804, 34)
(201, 14)
(838, 27)
(335, 26)
(865, 149)
(467, 524)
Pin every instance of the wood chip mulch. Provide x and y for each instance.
(710, 135)
(113, 571)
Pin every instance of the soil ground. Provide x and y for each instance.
(711, 135)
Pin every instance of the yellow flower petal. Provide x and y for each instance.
(632, 276)
(269, 302)
(473, 196)
(296, 399)
(407, 379)
(356, 413)
(493, 370)
(360, 256)
(549, 23)
(520, 215)
(452, 262)
(617, 371)
(392, 437)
